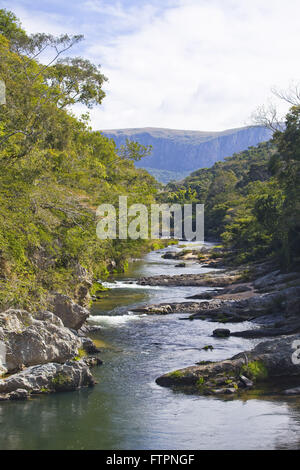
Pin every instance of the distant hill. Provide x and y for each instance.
(180, 152)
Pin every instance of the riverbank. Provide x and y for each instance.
(50, 350)
(136, 349)
(56, 345)
(259, 293)
(45, 353)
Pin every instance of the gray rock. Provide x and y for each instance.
(19, 394)
(205, 295)
(48, 378)
(221, 333)
(89, 346)
(275, 278)
(72, 315)
(239, 289)
(165, 309)
(30, 341)
(285, 301)
(267, 361)
(292, 391)
(230, 391)
(290, 327)
(203, 280)
(170, 255)
(246, 382)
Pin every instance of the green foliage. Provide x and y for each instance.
(252, 199)
(55, 171)
(177, 374)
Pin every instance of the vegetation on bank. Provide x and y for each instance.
(252, 199)
(55, 171)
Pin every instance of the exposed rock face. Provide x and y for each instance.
(285, 301)
(292, 391)
(203, 280)
(268, 360)
(30, 341)
(47, 378)
(165, 309)
(170, 255)
(72, 315)
(275, 278)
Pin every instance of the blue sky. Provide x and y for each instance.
(184, 64)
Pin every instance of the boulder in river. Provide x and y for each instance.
(170, 255)
(268, 362)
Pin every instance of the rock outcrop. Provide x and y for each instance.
(72, 315)
(285, 301)
(31, 341)
(203, 280)
(267, 361)
(47, 378)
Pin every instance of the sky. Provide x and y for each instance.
(181, 64)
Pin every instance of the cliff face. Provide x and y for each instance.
(186, 151)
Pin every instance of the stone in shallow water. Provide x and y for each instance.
(47, 378)
(72, 315)
(221, 333)
(292, 391)
(19, 394)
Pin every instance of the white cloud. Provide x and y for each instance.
(193, 64)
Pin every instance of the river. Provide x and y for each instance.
(126, 409)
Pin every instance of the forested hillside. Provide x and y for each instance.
(55, 171)
(252, 199)
(176, 153)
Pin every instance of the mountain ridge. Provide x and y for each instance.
(175, 150)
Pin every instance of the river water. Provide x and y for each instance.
(126, 409)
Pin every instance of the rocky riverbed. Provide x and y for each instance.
(259, 293)
(50, 351)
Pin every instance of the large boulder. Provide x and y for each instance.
(47, 378)
(30, 341)
(72, 315)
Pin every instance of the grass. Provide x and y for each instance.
(256, 371)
